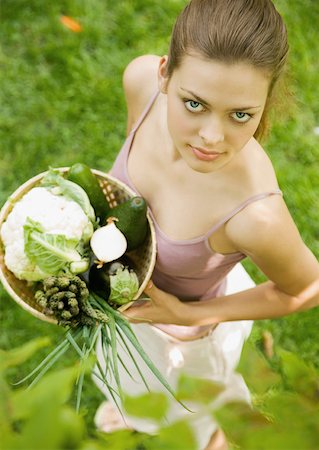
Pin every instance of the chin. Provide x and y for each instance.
(207, 167)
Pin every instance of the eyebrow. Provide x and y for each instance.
(203, 102)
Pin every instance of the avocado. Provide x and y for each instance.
(82, 175)
(132, 220)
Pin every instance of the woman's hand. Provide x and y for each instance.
(161, 307)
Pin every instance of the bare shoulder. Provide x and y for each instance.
(139, 83)
(266, 232)
(141, 72)
(261, 169)
(259, 221)
(266, 213)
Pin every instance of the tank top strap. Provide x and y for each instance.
(145, 111)
(243, 205)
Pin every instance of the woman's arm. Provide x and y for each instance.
(268, 235)
(265, 301)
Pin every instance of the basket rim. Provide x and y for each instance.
(24, 188)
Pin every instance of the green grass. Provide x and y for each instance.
(294, 150)
(61, 102)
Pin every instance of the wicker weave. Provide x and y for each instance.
(116, 192)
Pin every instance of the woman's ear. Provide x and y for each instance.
(162, 75)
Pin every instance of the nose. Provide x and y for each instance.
(211, 132)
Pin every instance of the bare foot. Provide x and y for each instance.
(108, 418)
(218, 441)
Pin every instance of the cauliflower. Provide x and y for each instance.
(45, 234)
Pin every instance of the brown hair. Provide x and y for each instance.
(233, 31)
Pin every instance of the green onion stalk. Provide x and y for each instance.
(87, 317)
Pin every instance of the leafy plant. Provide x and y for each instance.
(285, 410)
(38, 418)
(41, 418)
(280, 398)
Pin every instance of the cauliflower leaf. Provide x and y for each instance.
(52, 253)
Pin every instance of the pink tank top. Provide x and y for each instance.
(189, 269)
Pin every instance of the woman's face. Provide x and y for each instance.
(214, 109)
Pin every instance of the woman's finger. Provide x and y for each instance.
(154, 292)
(137, 312)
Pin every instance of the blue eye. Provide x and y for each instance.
(193, 106)
(241, 117)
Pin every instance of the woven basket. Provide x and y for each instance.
(115, 192)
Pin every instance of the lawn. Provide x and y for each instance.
(61, 102)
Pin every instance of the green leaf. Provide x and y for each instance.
(72, 426)
(119, 440)
(50, 252)
(294, 425)
(39, 431)
(44, 422)
(47, 430)
(302, 377)
(178, 436)
(152, 405)
(256, 370)
(54, 388)
(5, 410)
(95, 445)
(197, 389)
(19, 355)
(238, 420)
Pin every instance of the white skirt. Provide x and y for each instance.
(213, 357)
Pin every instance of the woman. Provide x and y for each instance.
(194, 120)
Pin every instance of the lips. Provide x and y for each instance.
(203, 154)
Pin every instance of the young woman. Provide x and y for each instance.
(194, 119)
